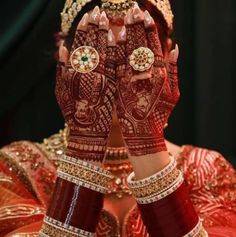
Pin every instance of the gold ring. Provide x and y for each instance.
(141, 59)
(84, 59)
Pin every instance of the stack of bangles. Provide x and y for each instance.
(163, 202)
(84, 183)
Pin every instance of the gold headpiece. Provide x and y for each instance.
(117, 7)
(73, 7)
(165, 8)
(69, 13)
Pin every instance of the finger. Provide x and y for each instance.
(130, 33)
(121, 53)
(102, 41)
(110, 65)
(140, 34)
(63, 54)
(136, 36)
(92, 31)
(173, 73)
(80, 34)
(154, 42)
(174, 54)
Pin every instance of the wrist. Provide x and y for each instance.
(148, 165)
(143, 146)
(87, 148)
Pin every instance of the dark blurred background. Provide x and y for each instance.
(205, 32)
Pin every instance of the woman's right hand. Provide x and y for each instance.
(86, 99)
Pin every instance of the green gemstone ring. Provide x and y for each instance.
(84, 59)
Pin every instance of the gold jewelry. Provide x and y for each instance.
(161, 194)
(114, 8)
(53, 227)
(73, 7)
(164, 7)
(84, 59)
(84, 174)
(141, 59)
(70, 11)
(157, 186)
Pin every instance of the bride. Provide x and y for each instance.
(115, 68)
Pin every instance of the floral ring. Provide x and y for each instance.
(141, 59)
(84, 59)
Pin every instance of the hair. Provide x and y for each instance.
(161, 24)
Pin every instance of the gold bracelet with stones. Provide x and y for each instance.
(157, 186)
(159, 175)
(84, 174)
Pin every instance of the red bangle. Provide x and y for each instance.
(172, 216)
(76, 205)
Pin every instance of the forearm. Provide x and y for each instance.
(150, 164)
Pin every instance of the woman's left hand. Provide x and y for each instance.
(146, 97)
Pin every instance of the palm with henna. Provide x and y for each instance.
(86, 99)
(145, 99)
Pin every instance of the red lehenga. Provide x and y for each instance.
(28, 173)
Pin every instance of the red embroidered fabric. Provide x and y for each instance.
(210, 179)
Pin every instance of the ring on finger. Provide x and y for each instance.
(84, 59)
(141, 59)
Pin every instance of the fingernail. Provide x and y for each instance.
(148, 20)
(84, 21)
(125, 19)
(137, 12)
(129, 18)
(122, 34)
(63, 54)
(111, 38)
(171, 55)
(104, 22)
(176, 55)
(95, 15)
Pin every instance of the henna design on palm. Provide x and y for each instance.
(86, 99)
(145, 100)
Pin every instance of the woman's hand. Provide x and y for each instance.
(86, 99)
(146, 98)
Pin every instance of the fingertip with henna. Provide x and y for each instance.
(128, 20)
(122, 35)
(111, 38)
(137, 13)
(104, 22)
(148, 20)
(95, 16)
(83, 22)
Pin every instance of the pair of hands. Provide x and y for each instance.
(143, 100)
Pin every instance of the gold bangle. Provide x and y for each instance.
(52, 227)
(84, 174)
(157, 186)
